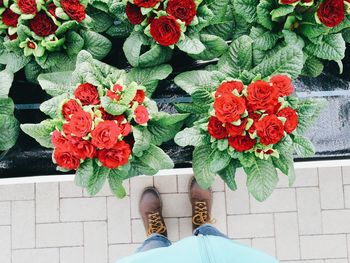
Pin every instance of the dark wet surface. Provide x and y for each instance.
(331, 133)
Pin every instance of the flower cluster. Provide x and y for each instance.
(164, 21)
(253, 118)
(43, 18)
(329, 12)
(89, 131)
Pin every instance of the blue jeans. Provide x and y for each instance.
(158, 241)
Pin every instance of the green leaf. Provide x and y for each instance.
(84, 172)
(51, 106)
(41, 132)
(262, 178)
(56, 83)
(263, 39)
(7, 106)
(101, 21)
(281, 12)
(189, 137)
(289, 60)
(228, 175)
(9, 130)
(166, 119)
(97, 45)
(238, 58)
(246, 7)
(220, 160)
(149, 77)
(156, 158)
(142, 140)
(116, 184)
(139, 168)
(74, 43)
(308, 112)
(215, 46)
(112, 107)
(6, 79)
(313, 67)
(264, 9)
(202, 156)
(303, 146)
(332, 47)
(98, 179)
(191, 108)
(191, 45)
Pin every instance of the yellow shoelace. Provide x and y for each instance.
(155, 224)
(201, 214)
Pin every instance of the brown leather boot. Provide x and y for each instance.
(151, 212)
(202, 202)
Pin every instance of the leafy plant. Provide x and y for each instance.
(103, 125)
(247, 117)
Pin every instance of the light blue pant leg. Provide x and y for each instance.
(154, 241)
(208, 230)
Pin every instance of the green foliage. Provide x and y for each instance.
(202, 156)
(228, 175)
(9, 129)
(303, 146)
(41, 132)
(97, 45)
(190, 137)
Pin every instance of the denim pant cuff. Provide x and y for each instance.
(154, 241)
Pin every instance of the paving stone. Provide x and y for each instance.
(119, 225)
(309, 211)
(137, 185)
(72, 255)
(59, 235)
(5, 244)
(15, 192)
(237, 202)
(306, 177)
(117, 252)
(105, 191)
(69, 189)
(173, 229)
(250, 226)
(336, 221)
(287, 238)
(347, 196)
(346, 174)
(343, 260)
(47, 202)
(5, 213)
(166, 183)
(323, 246)
(83, 209)
(244, 241)
(185, 227)
(266, 245)
(43, 255)
(176, 205)
(274, 203)
(183, 182)
(331, 188)
(138, 231)
(219, 212)
(218, 185)
(23, 224)
(95, 242)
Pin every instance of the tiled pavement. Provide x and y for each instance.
(59, 223)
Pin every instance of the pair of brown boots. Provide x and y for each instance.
(151, 208)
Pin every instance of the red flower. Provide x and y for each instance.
(1, 3)
(140, 96)
(133, 12)
(106, 115)
(283, 84)
(165, 30)
(216, 129)
(113, 96)
(105, 135)
(241, 143)
(69, 108)
(52, 9)
(270, 130)
(146, 3)
(83, 148)
(255, 117)
(58, 140)
(66, 158)
(331, 12)
(289, 2)
(236, 130)
(42, 25)
(141, 115)
(87, 94)
(79, 125)
(74, 9)
(124, 126)
(116, 156)
(185, 10)
(262, 95)
(292, 119)
(10, 18)
(12, 37)
(229, 108)
(229, 87)
(27, 6)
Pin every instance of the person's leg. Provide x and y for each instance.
(208, 230)
(154, 241)
(150, 207)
